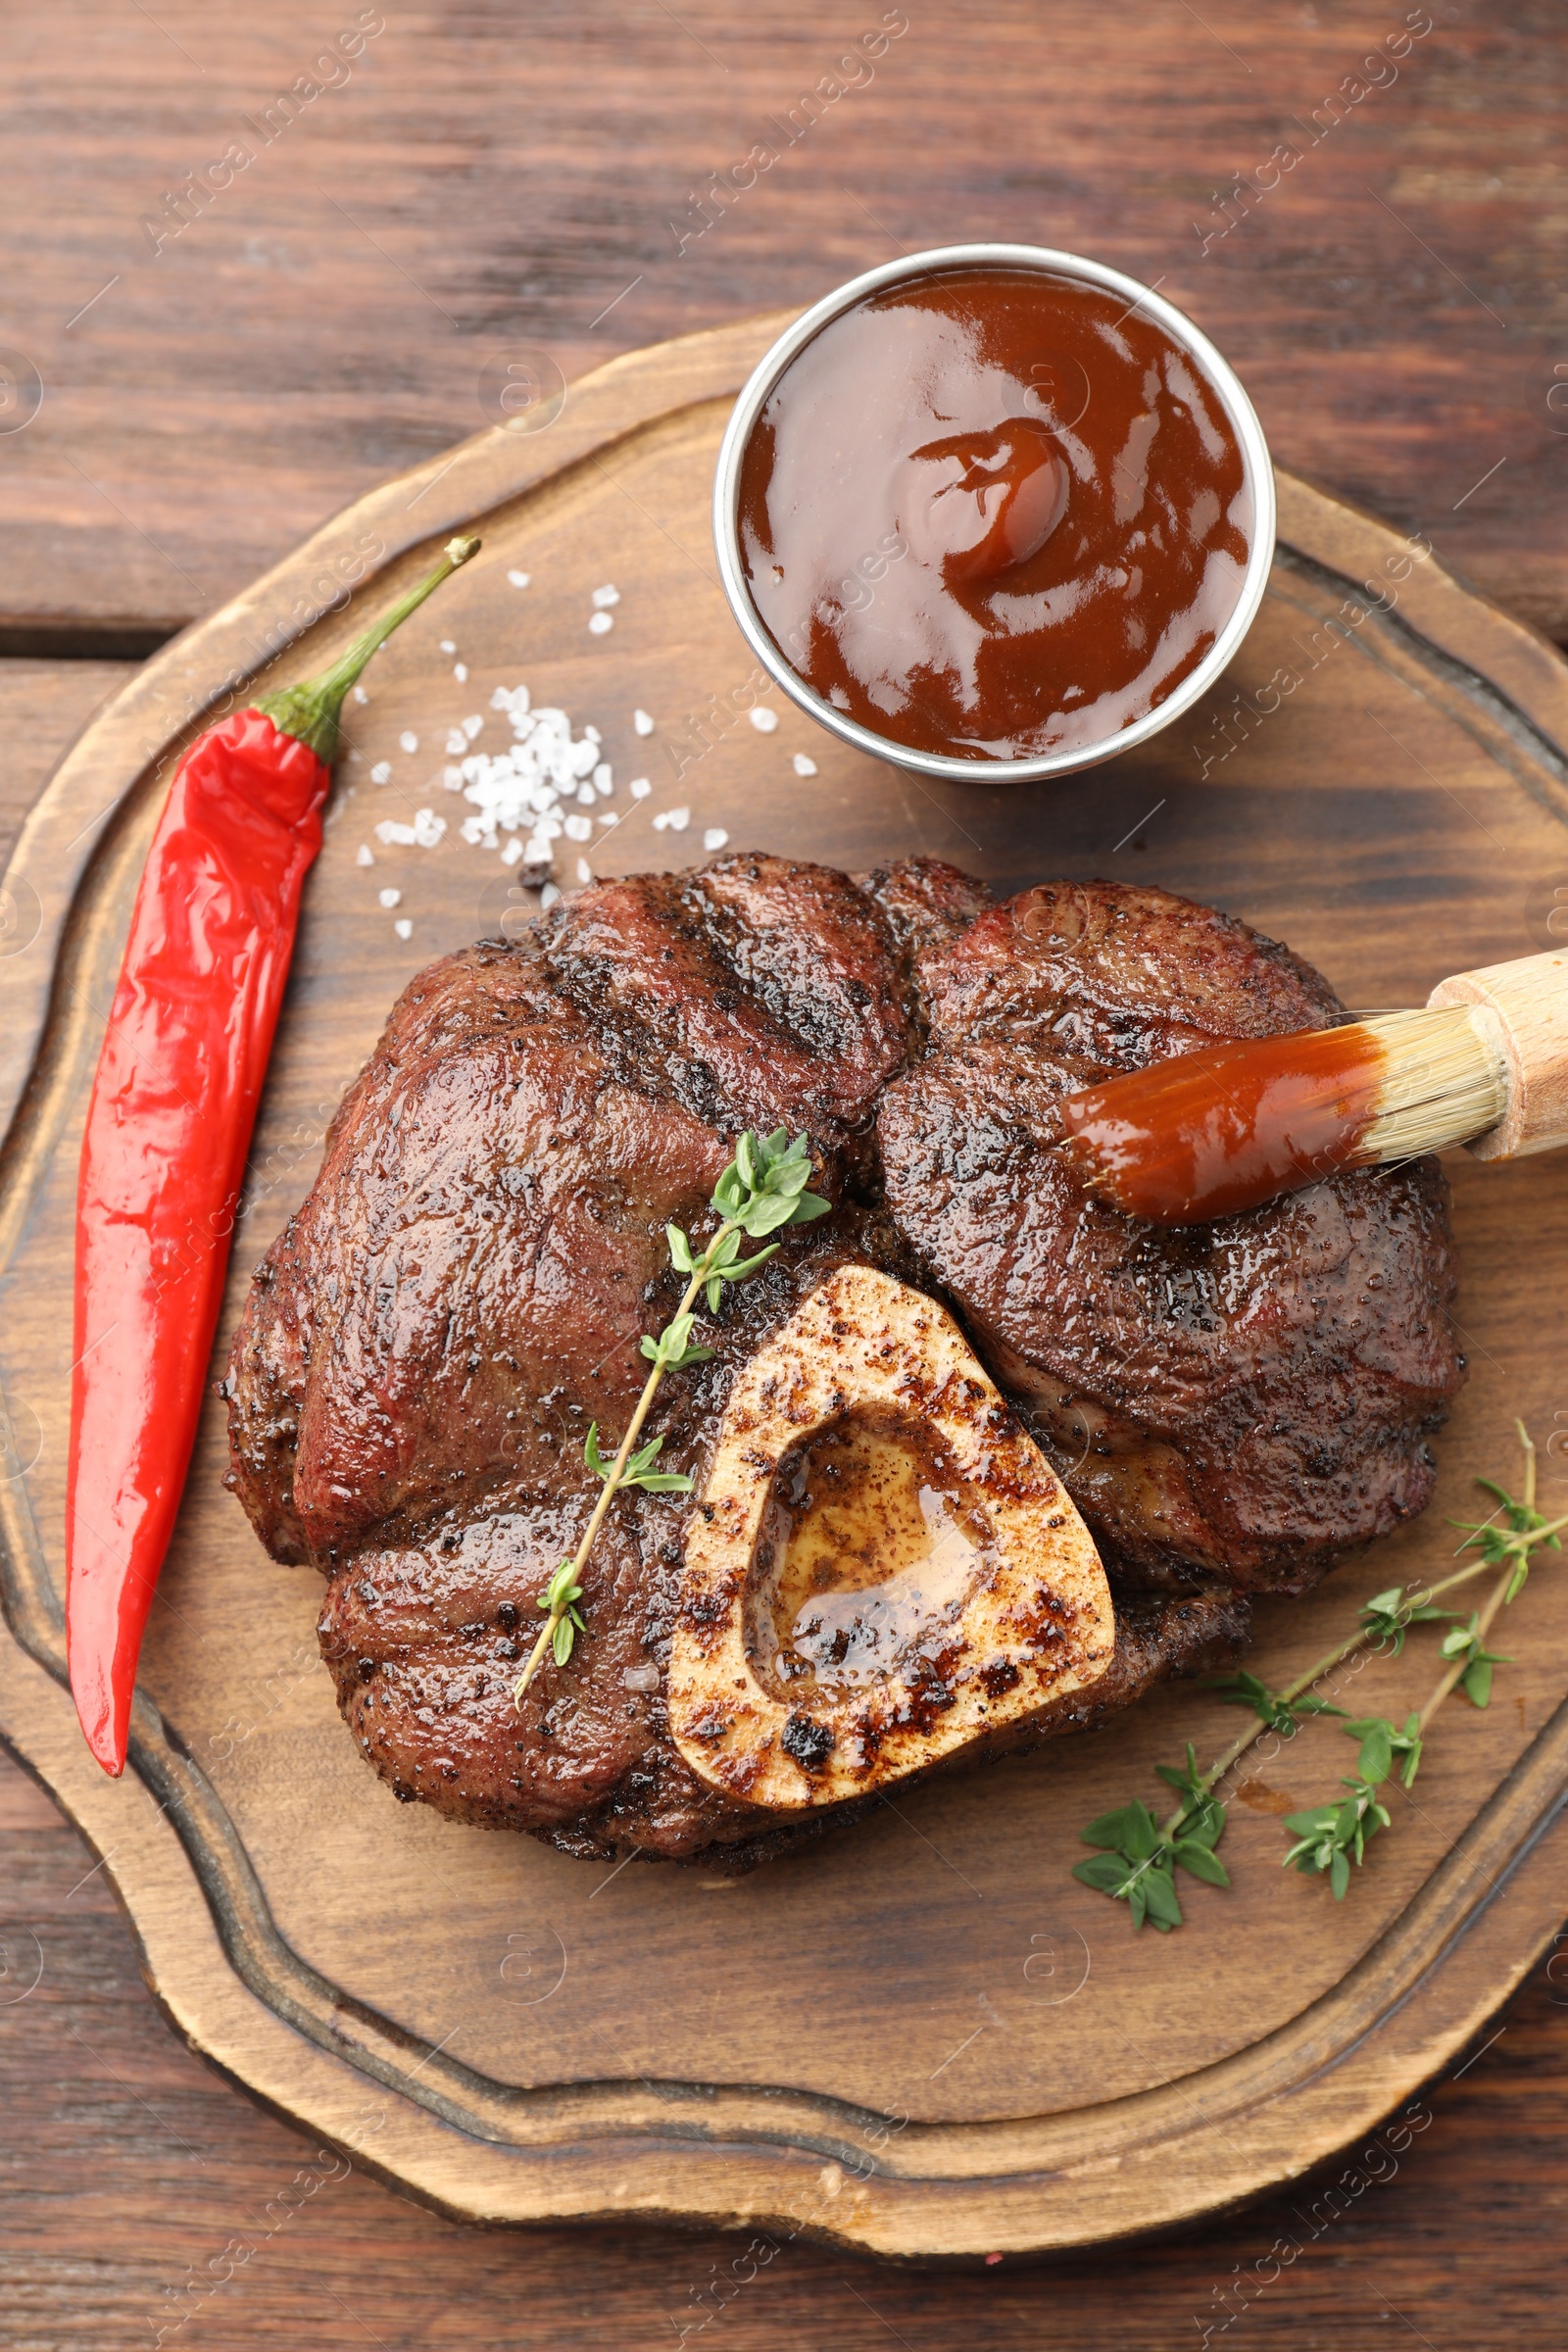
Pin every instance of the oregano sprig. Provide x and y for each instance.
(1140, 1856)
(761, 1191)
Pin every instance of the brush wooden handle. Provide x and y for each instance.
(1529, 1001)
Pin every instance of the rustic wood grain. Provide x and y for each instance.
(492, 181)
(140, 2190)
(333, 1956)
(128, 2168)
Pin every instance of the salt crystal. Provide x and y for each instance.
(604, 596)
(391, 832)
(512, 855)
(472, 726)
(804, 766)
(578, 828)
(548, 896)
(639, 788)
(403, 927)
(642, 722)
(409, 741)
(453, 779)
(360, 695)
(609, 816)
(457, 743)
(592, 735)
(381, 772)
(585, 796)
(391, 898)
(367, 856)
(448, 645)
(762, 718)
(599, 624)
(585, 872)
(428, 828)
(714, 838)
(460, 670)
(676, 820)
(603, 779)
(519, 579)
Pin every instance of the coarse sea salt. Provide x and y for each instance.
(391, 898)
(585, 872)
(381, 772)
(601, 597)
(642, 722)
(366, 854)
(520, 579)
(639, 788)
(673, 821)
(599, 624)
(403, 927)
(449, 645)
(521, 791)
(714, 838)
(423, 834)
(360, 695)
(407, 741)
(460, 670)
(801, 765)
(762, 718)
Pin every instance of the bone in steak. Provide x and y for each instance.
(465, 1289)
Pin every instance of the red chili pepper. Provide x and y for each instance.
(169, 1128)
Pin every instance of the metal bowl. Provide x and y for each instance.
(1257, 471)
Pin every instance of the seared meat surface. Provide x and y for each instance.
(1240, 1400)
(463, 1292)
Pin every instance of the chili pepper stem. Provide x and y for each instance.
(607, 1492)
(312, 709)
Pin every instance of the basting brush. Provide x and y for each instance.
(1206, 1134)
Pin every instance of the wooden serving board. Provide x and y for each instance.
(919, 2036)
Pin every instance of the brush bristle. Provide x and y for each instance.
(1446, 1081)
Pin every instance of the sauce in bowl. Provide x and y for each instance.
(992, 512)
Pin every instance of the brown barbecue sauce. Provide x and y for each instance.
(1205, 1135)
(992, 512)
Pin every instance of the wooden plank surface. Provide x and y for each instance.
(488, 182)
(1304, 826)
(140, 2190)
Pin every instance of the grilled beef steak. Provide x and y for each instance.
(463, 1292)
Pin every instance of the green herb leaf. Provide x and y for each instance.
(1280, 1714)
(1390, 1616)
(1464, 1642)
(1330, 1837)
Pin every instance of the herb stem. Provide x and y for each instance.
(1367, 1633)
(1500, 1592)
(607, 1492)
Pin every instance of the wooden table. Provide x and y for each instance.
(491, 188)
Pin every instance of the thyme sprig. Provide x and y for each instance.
(1140, 1857)
(760, 1192)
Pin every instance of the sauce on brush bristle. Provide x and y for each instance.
(1207, 1133)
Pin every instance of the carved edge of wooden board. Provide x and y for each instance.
(734, 2155)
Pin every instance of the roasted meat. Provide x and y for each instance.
(463, 1292)
(1241, 1401)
